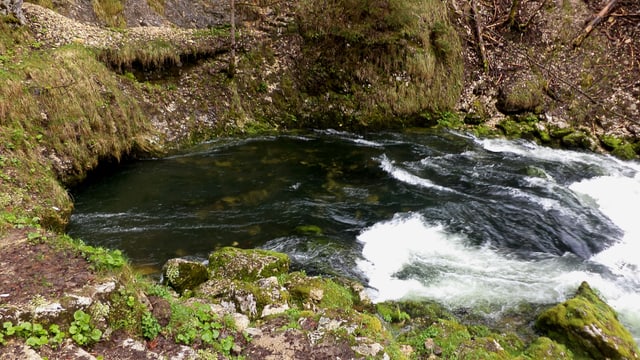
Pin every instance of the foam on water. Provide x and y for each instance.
(409, 256)
(406, 177)
(442, 267)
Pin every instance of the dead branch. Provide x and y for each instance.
(478, 29)
(596, 20)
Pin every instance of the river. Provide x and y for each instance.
(473, 223)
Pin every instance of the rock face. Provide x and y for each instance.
(586, 324)
(12, 8)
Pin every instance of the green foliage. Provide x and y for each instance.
(392, 313)
(82, 331)
(101, 258)
(197, 323)
(150, 326)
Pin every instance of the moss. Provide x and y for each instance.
(309, 230)
(247, 265)
(391, 312)
(544, 348)
(618, 147)
(588, 326)
(577, 140)
(325, 292)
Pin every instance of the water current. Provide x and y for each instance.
(468, 222)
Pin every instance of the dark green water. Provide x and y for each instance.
(464, 221)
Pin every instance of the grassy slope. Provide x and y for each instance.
(61, 111)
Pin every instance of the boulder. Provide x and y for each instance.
(247, 265)
(12, 8)
(588, 327)
(182, 274)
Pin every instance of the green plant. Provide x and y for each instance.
(82, 331)
(150, 326)
(101, 258)
(34, 334)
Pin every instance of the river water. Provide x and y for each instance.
(468, 222)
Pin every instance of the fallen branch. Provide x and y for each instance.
(601, 15)
(478, 29)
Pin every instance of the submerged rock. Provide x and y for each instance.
(589, 327)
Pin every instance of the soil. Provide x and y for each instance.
(29, 270)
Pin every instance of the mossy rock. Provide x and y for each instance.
(324, 293)
(247, 265)
(521, 95)
(577, 140)
(560, 132)
(515, 129)
(183, 274)
(249, 298)
(544, 348)
(589, 327)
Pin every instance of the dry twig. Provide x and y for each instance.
(596, 20)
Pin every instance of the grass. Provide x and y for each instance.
(61, 112)
(377, 60)
(110, 12)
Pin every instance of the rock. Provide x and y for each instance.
(241, 321)
(13, 8)
(274, 310)
(368, 349)
(522, 94)
(161, 310)
(578, 140)
(182, 274)
(545, 348)
(589, 327)
(247, 265)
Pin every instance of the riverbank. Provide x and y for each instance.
(70, 101)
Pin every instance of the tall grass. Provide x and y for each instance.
(61, 111)
(380, 59)
(110, 12)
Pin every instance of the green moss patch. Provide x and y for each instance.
(587, 325)
(247, 265)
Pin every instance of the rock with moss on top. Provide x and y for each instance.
(588, 327)
(182, 274)
(247, 265)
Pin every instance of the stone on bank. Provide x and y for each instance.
(589, 327)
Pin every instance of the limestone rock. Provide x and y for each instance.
(182, 274)
(586, 324)
(247, 265)
(12, 8)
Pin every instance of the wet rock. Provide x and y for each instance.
(589, 327)
(578, 140)
(247, 265)
(182, 274)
